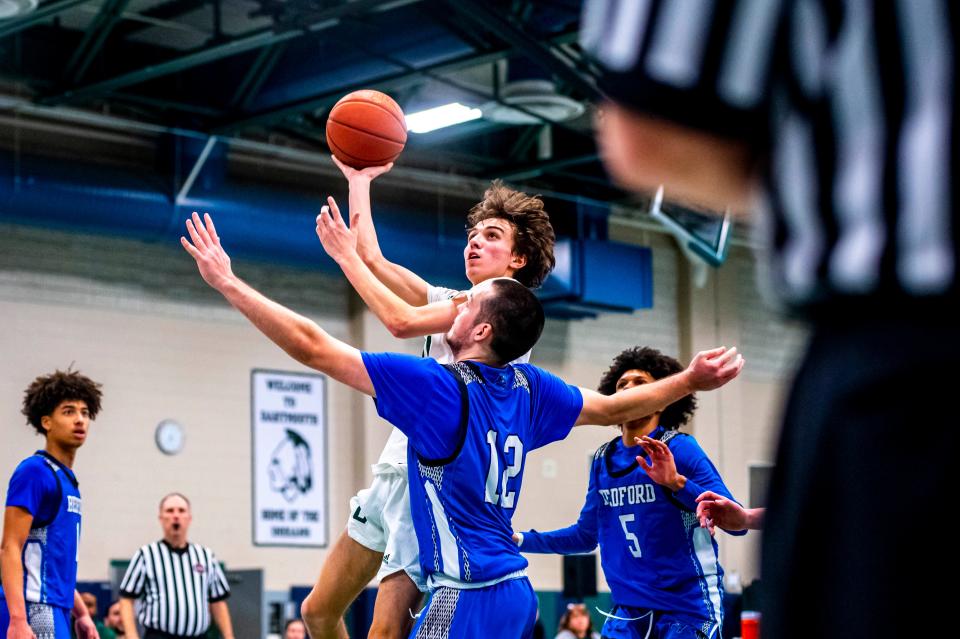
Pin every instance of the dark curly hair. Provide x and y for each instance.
(47, 392)
(533, 233)
(659, 366)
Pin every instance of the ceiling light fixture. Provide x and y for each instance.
(14, 8)
(440, 117)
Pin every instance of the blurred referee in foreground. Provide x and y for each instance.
(844, 114)
(181, 583)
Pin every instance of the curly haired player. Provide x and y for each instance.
(662, 567)
(41, 524)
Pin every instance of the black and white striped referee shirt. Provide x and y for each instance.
(177, 586)
(851, 108)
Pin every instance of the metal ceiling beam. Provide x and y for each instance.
(537, 169)
(476, 39)
(162, 11)
(306, 135)
(258, 73)
(97, 31)
(386, 83)
(36, 17)
(85, 123)
(525, 142)
(251, 41)
(328, 98)
(242, 44)
(166, 104)
(506, 30)
(483, 95)
(595, 181)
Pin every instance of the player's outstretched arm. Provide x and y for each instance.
(581, 537)
(298, 336)
(708, 370)
(400, 318)
(402, 281)
(716, 510)
(16, 527)
(572, 540)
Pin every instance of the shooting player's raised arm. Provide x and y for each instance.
(406, 284)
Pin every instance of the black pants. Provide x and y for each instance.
(857, 542)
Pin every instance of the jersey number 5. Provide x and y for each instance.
(631, 538)
(505, 498)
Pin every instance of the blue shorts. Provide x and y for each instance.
(507, 610)
(626, 622)
(47, 622)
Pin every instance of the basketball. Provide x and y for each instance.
(366, 128)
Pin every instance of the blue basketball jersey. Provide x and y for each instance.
(654, 553)
(470, 427)
(49, 491)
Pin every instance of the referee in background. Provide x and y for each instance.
(845, 114)
(181, 583)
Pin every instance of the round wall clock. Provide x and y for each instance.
(169, 437)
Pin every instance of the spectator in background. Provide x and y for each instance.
(174, 565)
(113, 620)
(576, 623)
(295, 629)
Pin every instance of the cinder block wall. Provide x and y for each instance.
(138, 317)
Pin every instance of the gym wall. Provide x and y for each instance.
(138, 318)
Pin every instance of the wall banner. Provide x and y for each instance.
(289, 459)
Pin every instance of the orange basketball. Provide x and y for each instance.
(366, 128)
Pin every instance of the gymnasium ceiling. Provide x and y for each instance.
(269, 71)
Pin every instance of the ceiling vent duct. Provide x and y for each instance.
(527, 86)
(15, 8)
(538, 99)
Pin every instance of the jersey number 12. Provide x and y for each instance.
(505, 498)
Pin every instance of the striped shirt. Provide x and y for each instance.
(849, 108)
(177, 586)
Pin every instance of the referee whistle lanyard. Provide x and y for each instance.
(613, 616)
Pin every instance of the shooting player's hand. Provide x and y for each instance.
(369, 173)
